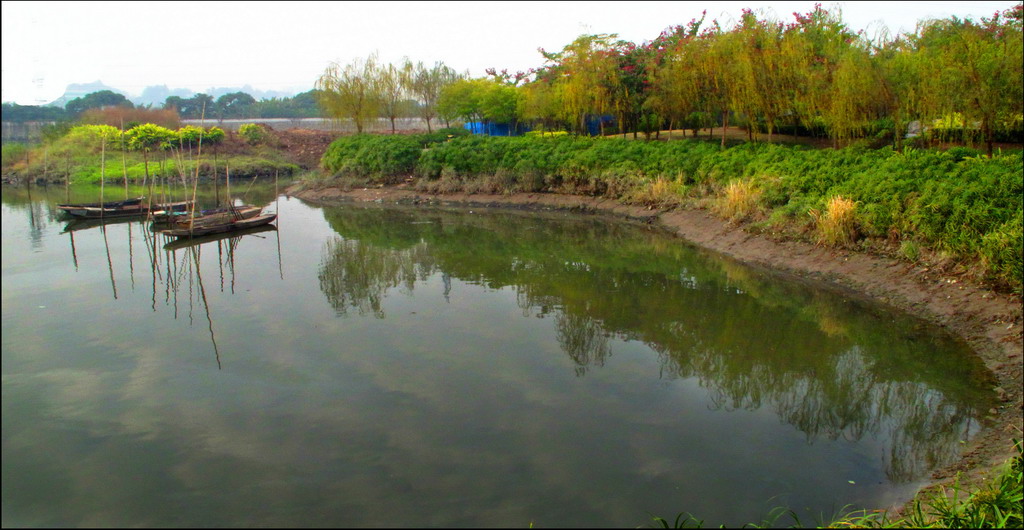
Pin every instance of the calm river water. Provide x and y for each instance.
(385, 366)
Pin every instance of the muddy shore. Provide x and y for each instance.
(990, 322)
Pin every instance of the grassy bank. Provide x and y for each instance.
(954, 208)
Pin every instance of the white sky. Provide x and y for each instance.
(286, 45)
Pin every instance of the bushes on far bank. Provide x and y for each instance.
(953, 202)
(88, 153)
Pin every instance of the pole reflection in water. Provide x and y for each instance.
(110, 265)
(227, 245)
(163, 252)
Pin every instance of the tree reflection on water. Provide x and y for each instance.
(830, 366)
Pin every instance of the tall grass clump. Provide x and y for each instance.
(740, 200)
(837, 226)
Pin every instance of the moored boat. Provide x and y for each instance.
(220, 227)
(217, 216)
(166, 212)
(95, 210)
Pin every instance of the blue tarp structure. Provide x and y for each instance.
(504, 129)
(594, 124)
(492, 129)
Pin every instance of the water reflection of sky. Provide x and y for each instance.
(457, 398)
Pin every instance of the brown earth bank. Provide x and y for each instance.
(990, 322)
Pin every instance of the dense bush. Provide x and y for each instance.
(380, 158)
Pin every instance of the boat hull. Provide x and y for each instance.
(202, 230)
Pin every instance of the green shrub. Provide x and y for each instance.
(254, 133)
(14, 153)
(380, 158)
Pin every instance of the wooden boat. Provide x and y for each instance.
(220, 227)
(165, 212)
(96, 210)
(217, 216)
(185, 242)
(126, 208)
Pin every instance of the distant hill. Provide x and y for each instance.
(155, 95)
(77, 90)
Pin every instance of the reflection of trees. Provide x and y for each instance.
(831, 367)
(583, 340)
(357, 275)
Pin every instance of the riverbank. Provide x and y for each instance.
(990, 322)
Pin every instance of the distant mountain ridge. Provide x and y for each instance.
(155, 95)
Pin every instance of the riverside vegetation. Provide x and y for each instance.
(954, 206)
(77, 154)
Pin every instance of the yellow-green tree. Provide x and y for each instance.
(587, 78)
(350, 91)
(979, 66)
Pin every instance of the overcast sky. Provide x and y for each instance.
(286, 45)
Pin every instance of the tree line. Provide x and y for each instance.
(957, 78)
(812, 76)
(232, 105)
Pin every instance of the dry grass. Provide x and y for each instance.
(838, 225)
(740, 200)
(659, 193)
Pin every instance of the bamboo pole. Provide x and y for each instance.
(195, 184)
(124, 162)
(103, 172)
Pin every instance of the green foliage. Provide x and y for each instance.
(148, 137)
(381, 158)
(189, 136)
(12, 112)
(214, 135)
(967, 206)
(234, 105)
(13, 153)
(103, 98)
(253, 133)
(439, 136)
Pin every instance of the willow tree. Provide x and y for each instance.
(813, 47)
(904, 94)
(350, 91)
(463, 99)
(762, 86)
(541, 103)
(588, 76)
(713, 53)
(856, 96)
(391, 89)
(425, 85)
(674, 87)
(980, 68)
